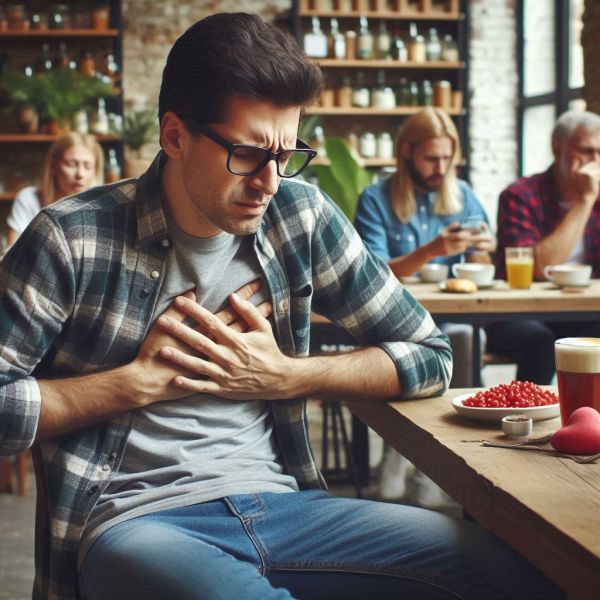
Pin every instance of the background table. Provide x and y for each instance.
(544, 301)
(547, 508)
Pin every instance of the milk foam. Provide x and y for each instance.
(578, 355)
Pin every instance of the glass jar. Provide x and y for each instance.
(100, 16)
(367, 146)
(87, 64)
(417, 50)
(449, 49)
(16, 17)
(39, 21)
(385, 146)
(59, 16)
(442, 94)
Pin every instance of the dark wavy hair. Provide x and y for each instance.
(235, 54)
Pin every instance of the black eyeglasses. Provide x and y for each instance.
(243, 159)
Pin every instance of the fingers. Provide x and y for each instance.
(240, 325)
(250, 313)
(230, 316)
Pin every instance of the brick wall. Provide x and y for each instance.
(493, 80)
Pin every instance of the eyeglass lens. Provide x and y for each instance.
(247, 160)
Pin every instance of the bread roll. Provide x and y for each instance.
(462, 286)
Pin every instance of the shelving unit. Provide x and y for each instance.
(447, 16)
(21, 47)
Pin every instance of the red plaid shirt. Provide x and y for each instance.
(529, 210)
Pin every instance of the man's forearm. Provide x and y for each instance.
(77, 402)
(403, 266)
(558, 246)
(367, 373)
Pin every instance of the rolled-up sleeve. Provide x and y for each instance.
(357, 291)
(36, 296)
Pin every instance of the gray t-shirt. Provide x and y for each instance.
(202, 447)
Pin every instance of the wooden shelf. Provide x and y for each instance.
(60, 33)
(373, 112)
(42, 138)
(376, 14)
(383, 63)
(7, 196)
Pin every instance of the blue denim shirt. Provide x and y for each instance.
(77, 294)
(388, 237)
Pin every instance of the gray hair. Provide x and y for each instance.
(571, 121)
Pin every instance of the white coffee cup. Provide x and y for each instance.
(434, 272)
(568, 274)
(478, 273)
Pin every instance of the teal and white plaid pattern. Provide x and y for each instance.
(77, 293)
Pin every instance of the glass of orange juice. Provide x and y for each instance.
(519, 267)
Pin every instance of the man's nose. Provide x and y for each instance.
(267, 179)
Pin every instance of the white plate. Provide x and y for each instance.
(499, 283)
(537, 413)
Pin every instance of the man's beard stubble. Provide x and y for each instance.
(418, 181)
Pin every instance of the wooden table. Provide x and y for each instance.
(544, 301)
(547, 508)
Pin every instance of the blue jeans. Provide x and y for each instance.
(305, 545)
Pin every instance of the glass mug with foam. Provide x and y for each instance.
(519, 267)
(578, 374)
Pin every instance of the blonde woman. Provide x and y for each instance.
(74, 163)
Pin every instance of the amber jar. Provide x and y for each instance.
(16, 17)
(87, 64)
(100, 16)
(442, 94)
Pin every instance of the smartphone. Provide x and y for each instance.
(472, 224)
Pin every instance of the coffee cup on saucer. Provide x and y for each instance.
(434, 272)
(568, 274)
(482, 275)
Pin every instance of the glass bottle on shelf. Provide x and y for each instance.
(344, 93)
(449, 49)
(403, 95)
(87, 64)
(365, 40)
(100, 123)
(378, 92)
(417, 51)
(385, 146)
(113, 169)
(434, 46)
(383, 42)
(413, 86)
(59, 16)
(80, 122)
(350, 37)
(318, 142)
(44, 63)
(399, 51)
(361, 95)
(315, 41)
(337, 41)
(367, 145)
(62, 60)
(426, 93)
(100, 16)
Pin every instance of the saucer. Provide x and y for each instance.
(492, 284)
(571, 285)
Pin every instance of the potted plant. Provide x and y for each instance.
(20, 95)
(140, 127)
(343, 178)
(56, 95)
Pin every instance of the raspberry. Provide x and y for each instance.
(516, 394)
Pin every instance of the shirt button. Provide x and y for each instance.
(165, 243)
(92, 490)
(106, 467)
(155, 274)
(283, 305)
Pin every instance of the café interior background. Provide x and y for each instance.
(151, 26)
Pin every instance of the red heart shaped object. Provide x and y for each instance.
(581, 434)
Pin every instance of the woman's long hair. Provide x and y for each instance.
(429, 123)
(49, 192)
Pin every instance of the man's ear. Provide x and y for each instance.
(172, 134)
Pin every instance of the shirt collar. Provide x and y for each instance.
(151, 221)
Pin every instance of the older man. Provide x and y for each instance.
(557, 213)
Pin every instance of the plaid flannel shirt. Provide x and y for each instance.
(529, 210)
(77, 293)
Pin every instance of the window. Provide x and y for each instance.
(550, 74)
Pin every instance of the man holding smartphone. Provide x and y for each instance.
(422, 214)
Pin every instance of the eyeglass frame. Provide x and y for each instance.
(230, 147)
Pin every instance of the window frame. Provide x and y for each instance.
(563, 94)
